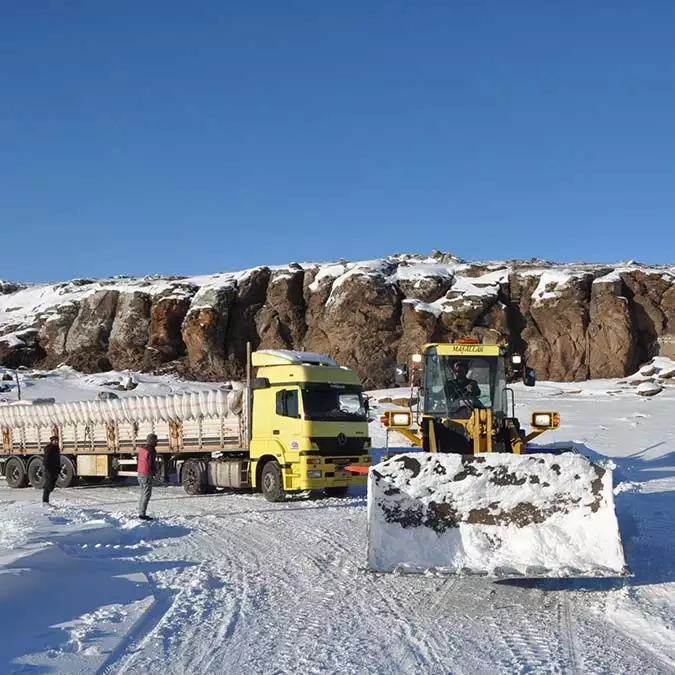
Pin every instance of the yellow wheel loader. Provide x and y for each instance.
(477, 499)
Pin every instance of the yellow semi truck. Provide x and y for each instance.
(296, 424)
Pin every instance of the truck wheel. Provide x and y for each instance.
(271, 482)
(68, 477)
(15, 473)
(192, 477)
(338, 491)
(36, 473)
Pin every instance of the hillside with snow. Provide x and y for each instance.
(573, 322)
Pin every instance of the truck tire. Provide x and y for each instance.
(193, 477)
(68, 476)
(271, 482)
(36, 473)
(15, 473)
(338, 491)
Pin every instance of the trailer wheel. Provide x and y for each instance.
(15, 473)
(68, 476)
(271, 482)
(36, 473)
(337, 491)
(193, 477)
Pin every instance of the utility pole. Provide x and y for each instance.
(18, 384)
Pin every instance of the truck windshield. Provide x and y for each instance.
(333, 402)
(457, 385)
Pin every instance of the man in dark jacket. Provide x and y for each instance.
(51, 463)
(146, 470)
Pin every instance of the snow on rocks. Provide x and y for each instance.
(536, 515)
(652, 377)
(648, 389)
(551, 283)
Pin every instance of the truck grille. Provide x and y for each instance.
(331, 446)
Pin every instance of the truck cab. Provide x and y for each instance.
(309, 422)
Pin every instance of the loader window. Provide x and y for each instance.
(457, 385)
(333, 402)
(287, 403)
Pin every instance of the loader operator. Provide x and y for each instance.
(462, 390)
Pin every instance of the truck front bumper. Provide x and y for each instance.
(330, 472)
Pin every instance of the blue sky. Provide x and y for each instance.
(172, 137)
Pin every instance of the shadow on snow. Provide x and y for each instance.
(61, 582)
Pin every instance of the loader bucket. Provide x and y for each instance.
(538, 515)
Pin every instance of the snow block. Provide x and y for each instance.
(493, 514)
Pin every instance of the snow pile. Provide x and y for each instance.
(652, 377)
(501, 515)
(648, 389)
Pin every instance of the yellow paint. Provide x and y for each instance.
(455, 349)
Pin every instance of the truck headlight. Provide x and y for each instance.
(314, 474)
(516, 358)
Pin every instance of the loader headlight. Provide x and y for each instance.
(545, 420)
(541, 420)
(400, 420)
(396, 418)
(516, 358)
(314, 474)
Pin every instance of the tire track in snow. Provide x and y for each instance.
(570, 642)
(282, 556)
(204, 613)
(427, 652)
(310, 616)
(530, 633)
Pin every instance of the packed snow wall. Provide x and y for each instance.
(494, 514)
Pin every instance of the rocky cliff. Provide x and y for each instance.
(574, 321)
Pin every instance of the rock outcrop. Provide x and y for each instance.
(204, 332)
(572, 321)
(130, 331)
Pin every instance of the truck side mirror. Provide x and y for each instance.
(402, 375)
(260, 383)
(529, 377)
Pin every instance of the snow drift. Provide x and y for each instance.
(494, 514)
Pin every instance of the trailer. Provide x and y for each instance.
(296, 424)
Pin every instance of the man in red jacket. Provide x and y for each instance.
(146, 470)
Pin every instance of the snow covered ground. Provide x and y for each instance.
(231, 583)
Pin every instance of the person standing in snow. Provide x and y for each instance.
(146, 470)
(51, 463)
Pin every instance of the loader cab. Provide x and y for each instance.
(457, 383)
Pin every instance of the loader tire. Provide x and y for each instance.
(338, 491)
(36, 473)
(15, 473)
(193, 477)
(271, 482)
